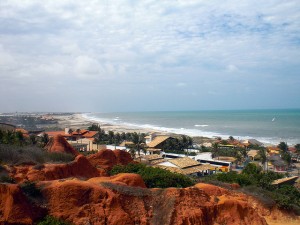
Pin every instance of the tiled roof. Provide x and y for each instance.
(153, 157)
(124, 143)
(253, 153)
(190, 170)
(226, 158)
(283, 180)
(184, 162)
(157, 140)
(156, 161)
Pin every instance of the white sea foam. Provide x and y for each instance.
(184, 131)
(201, 125)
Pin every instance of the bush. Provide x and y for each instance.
(49, 220)
(155, 177)
(7, 179)
(286, 196)
(30, 189)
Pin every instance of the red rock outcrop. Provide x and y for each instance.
(129, 179)
(15, 207)
(59, 144)
(80, 168)
(88, 202)
(106, 158)
(117, 200)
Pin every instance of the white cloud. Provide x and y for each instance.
(149, 43)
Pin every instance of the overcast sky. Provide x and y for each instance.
(106, 55)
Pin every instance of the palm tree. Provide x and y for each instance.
(263, 157)
(215, 149)
(231, 138)
(45, 139)
(283, 146)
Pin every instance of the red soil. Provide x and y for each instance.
(106, 159)
(124, 198)
(80, 168)
(15, 207)
(129, 179)
(59, 144)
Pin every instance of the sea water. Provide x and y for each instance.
(268, 126)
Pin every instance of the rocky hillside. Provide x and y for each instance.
(81, 192)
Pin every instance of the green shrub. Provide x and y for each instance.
(7, 179)
(154, 177)
(30, 189)
(50, 220)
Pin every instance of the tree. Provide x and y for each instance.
(45, 139)
(215, 150)
(263, 157)
(19, 138)
(94, 127)
(287, 158)
(297, 146)
(111, 137)
(283, 146)
(231, 138)
(33, 139)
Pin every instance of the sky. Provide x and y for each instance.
(126, 55)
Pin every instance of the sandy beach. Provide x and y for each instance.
(78, 121)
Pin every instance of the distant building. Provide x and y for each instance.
(252, 142)
(253, 154)
(277, 164)
(187, 166)
(158, 142)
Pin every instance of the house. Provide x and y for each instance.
(273, 149)
(249, 142)
(153, 159)
(187, 166)
(23, 131)
(277, 163)
(285, 181)
(253, 154)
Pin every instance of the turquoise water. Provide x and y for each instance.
(269, 126)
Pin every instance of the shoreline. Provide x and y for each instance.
(83, 121)
(78, 120)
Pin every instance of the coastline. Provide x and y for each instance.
(83, 120)
(78, 120)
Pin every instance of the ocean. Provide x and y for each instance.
(267, 126)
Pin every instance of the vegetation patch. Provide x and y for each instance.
(259, 184)
(16, 155)
(50, 220)
(155, 177)
(7, 179)
(30, 189)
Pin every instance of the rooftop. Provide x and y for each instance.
(184, 162)
(157, 140)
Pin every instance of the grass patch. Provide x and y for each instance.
(50, 220)
(17, 155)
